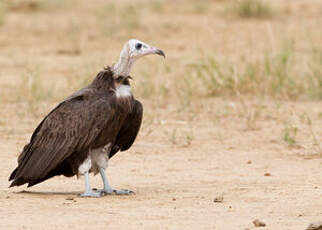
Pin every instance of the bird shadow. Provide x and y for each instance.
(48, 193)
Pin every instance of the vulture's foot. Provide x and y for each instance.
(91, 193)
(114, 191)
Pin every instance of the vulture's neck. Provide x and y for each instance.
(124, 64)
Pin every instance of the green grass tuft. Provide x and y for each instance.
(289, 135)
(253, 9)
(115, 19)
(32, 91)
(282, 75)
(38, 5)
(3, 12)
(157, 5)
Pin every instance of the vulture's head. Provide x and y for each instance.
(133, 50)
(139, 49)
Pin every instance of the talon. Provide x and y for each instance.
(104, 192)
(91, 194)
(124, 192)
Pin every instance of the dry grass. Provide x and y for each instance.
(286, 74)
(209, 55)
(285, 71)
(3, 11)
(36, 5)
(252, 9)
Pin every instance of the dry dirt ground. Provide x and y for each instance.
(261, 155)
(257, 176)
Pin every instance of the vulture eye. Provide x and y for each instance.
(138, 46)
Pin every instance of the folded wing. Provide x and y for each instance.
(71, 127)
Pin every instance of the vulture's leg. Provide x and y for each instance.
(108, 189)
(84, 169)
(88, 190)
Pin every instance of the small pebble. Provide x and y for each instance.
(249, 162)
(259, 223)
(69, 198)
(219, 199)
(267, 174)
(174, 199)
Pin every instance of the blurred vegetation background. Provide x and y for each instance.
(215, 48)
(249, 62)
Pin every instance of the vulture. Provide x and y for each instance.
(88, 128)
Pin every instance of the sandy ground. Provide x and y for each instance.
(176, 185)
(263, 156)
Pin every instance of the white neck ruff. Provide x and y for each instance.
(123, 91)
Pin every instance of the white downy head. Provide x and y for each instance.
(133, 50)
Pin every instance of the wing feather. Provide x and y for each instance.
(129, 130)
(72, 126)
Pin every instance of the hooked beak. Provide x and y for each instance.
(160, 52)
(152, 50)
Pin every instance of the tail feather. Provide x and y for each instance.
(62, 169)
(13, 174)
(18, 181)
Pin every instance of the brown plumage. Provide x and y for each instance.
(89, 119)
(83, 132)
